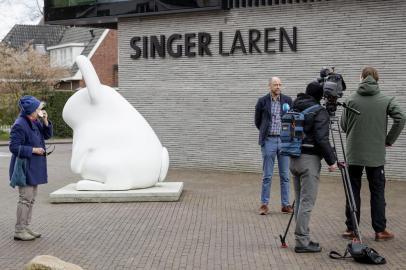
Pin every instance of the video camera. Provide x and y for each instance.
(333, 87)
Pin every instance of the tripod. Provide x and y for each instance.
(359, 251)
(343, 167)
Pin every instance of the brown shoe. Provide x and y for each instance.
(287, 209)
(348, 234)
(383, 236)
(263, 210)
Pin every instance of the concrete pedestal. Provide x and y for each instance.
(161, 192)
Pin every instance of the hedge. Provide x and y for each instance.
(54, 107)
(55, 101)
(8, 109)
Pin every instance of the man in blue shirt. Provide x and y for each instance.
(268, 113)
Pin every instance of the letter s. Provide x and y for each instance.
(133, 44)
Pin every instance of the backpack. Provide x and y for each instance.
(292, 133)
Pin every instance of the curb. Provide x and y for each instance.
(56, 141)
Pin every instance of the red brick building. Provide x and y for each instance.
(105, 59)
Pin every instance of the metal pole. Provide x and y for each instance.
(343, 166)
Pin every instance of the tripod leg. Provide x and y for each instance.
(284, 245)
(346, 181)
(352, 205)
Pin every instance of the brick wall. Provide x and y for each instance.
(202, 108)
(105, 59)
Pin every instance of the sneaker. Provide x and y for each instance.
(383, 236)
(23, 236)
(35, 234)
(287, 209)
(348, 234)
(263, 210)
(314, 243)
(311, 248)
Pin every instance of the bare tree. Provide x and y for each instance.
(25, 71)
(40, 9)
(35, 7)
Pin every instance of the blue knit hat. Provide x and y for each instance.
(28, 105)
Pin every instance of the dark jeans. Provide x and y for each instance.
(376, 180)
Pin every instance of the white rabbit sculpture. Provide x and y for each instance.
(114, 147)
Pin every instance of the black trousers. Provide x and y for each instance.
(376, 180)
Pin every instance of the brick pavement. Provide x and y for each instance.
(215, 225)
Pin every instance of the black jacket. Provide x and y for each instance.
(316, 129)
(263, 114)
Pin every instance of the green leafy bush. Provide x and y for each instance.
(8, 109)
(55, 103)
(4, 136)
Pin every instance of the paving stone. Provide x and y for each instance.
(214, 225)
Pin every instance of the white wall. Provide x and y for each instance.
(202, 108)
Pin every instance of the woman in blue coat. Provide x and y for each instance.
(27, 140)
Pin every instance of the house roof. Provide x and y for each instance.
(82, 35)
(53, 35)
(20, 34)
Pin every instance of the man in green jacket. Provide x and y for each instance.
(367, 139)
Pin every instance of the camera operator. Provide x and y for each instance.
(306, 168)
(366, 141)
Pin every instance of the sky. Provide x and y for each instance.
(18, 12)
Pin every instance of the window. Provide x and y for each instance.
(40, 48)
(64, 55)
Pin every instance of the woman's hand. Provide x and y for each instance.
(38, 151)
(45, 117)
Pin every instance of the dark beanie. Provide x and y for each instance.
(28, 105)
(315, 90)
